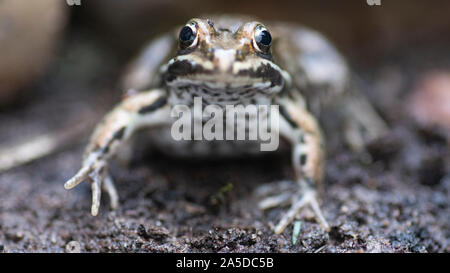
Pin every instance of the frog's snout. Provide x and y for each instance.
(224, 59)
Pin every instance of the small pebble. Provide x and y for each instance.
(73, 247)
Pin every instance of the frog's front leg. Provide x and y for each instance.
(300, 128)
(145, 109)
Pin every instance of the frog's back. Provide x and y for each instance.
(318, 70)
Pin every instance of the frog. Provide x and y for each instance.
(238, 60)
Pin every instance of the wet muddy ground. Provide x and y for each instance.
(398, 202)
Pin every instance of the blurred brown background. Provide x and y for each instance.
(352, 24)
(30, 31)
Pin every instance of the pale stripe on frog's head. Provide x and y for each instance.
(225, 56)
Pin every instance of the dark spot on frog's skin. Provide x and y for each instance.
(302, 139)
(119, 134)
(246, 91)
(102, 169)
(154, 106)
(179, 67)
(287, 117)
(206, 91)
(210, 23)
(265, 71)
(182, 68)
(228, 91)
(103, 150)
(303, 158)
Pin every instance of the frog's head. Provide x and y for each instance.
(225, 55)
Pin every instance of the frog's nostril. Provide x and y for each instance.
(224, 58)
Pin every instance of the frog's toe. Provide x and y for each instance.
(102, 181)
(92, 166)
(96, 193)
(108, 186)
(81, 175)
(305, 197)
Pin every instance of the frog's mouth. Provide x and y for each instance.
(260, 75)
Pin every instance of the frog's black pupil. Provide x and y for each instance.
(187, 36)
(263, 38)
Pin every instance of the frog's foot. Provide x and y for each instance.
(306, 196)
(96, 172)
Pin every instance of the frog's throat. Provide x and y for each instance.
(221, 94)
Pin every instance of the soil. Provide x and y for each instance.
(395, 198)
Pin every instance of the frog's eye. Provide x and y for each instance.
(262, 39)
(187, 36)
